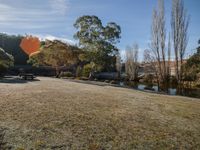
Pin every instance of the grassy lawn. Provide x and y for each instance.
(59, 114)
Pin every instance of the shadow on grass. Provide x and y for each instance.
(90, 82)
(16, 80)
(2, 142)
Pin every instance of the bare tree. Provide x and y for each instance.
(149, 58)
(158, 38)
(162, 35)
(169, 57)
(118, 64)
(179, 25)
(155, 41)
(131, 62)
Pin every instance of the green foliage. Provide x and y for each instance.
(6, 60)
(78, 71)
(192, 67)
(11, 45)
(37, 59)
(87, 69)
(173, 80)
(97, 41)
(198, 48)
(66, 74)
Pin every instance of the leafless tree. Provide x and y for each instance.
(162, 35)
(179, 25)
(131, 62)
(118, 64)
(149, 58)
(169, 57)
(155, 40)
(158, 38)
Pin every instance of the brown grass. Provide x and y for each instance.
(59, 114)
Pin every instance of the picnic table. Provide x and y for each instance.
(27, 76)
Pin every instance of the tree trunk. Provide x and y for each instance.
(119, 75)
(57, 71)
(177, 70)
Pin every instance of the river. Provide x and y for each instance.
(189, 92)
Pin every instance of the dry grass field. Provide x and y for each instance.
(63, 115)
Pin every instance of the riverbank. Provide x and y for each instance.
(58, 114)
(172, 90)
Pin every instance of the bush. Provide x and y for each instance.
(78, 71)
(6, 60)
(148, 78)
(3, 70)
(84, 78)
(86, 70)
(173, 80)
(66, 74)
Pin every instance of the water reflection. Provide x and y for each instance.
(170, 90)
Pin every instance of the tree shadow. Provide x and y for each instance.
(2, 139)
(16, 80)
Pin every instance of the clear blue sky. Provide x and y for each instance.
(55, 18)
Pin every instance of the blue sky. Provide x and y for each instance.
(55, 18)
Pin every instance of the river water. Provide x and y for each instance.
(189, 92)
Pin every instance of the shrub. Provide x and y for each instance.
(78, 71)
(6, 60)
(86, 70)
(148, 78)
(84, 78)
(3, 70)
(173, 80)
(66, 74)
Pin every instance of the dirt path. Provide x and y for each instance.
(57, 114)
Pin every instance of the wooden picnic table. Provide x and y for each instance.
(27, 76)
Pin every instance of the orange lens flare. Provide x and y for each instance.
(30, 44)
(34, 53)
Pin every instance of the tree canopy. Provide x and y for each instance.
(6, 60)
(11, 45)
(198, 48)
(98, 41)
(56, 54)
(192, 67)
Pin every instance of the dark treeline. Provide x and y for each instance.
(11, 45)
